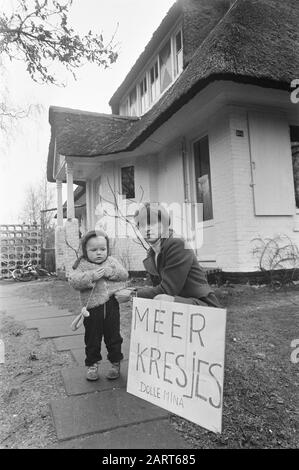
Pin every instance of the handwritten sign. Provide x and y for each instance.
(177, 359)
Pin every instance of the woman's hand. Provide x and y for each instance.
(98, 274)
(123, 295)
(164, 297)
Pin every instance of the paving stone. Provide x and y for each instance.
(70, 342)
(29, 313)
(53, 327)
(79, 353)
(100, 411)
(75, 382)
(158, 434)
(12, 298)
(17, 304)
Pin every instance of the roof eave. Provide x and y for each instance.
(176, 106)
(199, 86)
(186, 97)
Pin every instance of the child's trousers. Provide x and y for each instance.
(103, 320)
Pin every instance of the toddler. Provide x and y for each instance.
(95, 275)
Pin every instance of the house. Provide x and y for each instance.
(204, 116)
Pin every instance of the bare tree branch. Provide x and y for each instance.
(119, 215)
(38, 33)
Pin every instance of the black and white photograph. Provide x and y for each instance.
(149, 228)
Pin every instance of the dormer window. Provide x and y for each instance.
(154, 82)
(143, 95)
(133, 102)
(165, 66)
(156, 77)
(178, 53)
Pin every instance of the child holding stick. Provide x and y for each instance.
(91, 275)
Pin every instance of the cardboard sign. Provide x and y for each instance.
(177, 359)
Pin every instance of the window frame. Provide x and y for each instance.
(146, 72)
(134, 88)
(124, 104)
(293, 144)
(209, 222)
(128, 165)
(144, 97)
(176, 69)
(156, 82)
(170, 42)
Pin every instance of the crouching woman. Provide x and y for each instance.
(173, 267)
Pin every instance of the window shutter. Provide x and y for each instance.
(271, 160)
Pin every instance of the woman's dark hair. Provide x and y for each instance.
(147, 209)
(85, 239)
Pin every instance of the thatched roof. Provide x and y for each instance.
(198, 18)
(81, 132)
(257, 42)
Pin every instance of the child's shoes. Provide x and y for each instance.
(92, 372)
(114, 371)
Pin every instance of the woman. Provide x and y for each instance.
(173, 267)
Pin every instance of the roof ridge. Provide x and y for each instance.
(61, 109)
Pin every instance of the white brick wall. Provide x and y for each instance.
(235, 223)
(224, 204)
(249, 226)
(66, 256)
(129, 253)
(126, 250)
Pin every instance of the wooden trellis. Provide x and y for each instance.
(18, 245)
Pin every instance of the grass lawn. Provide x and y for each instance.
(261, 383)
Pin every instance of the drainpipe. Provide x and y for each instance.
(185, 171)
(186, 183)
(252, 163)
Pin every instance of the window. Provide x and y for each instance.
(295, 157)
(143, 95)
(128, 182)
(165, 66)
(133, 103)
(157, 77)
(154, 82)
(203, 177)
(178, 52)
(124, 108)
(294, 131)
(271, 164)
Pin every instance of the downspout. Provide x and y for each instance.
(252, 163)
(186, 184)
(185, 171)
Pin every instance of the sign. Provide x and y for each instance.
(177, 359)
